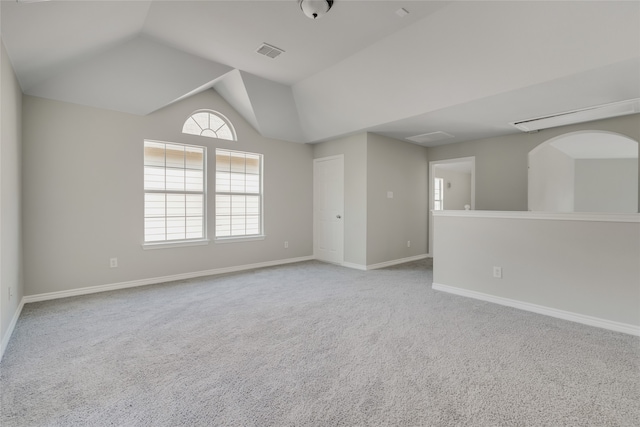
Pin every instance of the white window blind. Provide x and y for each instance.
(238, 194)
(174, 192)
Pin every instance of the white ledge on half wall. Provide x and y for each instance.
(557, 216)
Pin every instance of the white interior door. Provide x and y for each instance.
(328, 209)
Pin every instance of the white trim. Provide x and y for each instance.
(540, 309)
(168, 244)
(314, 217)
(384, 264)
(215, 113)
(334, 157)
(143, 282)
(238, 239)
(354, 266)
(12, 325)
(557, 216)
(396, 262)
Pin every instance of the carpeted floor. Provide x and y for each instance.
(311, 344)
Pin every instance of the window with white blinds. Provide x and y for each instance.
(238, 194)
(174, 192)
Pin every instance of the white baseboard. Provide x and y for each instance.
(384, 264)
(540, 309)
(396, 262)
(155, 280)
(12, 325)
(354, 266)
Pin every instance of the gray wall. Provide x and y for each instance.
(401, 168)
(83, 195)
(459, 193)
(587, 267)
(552, 180)
(606, 185)
(501, 163)
(11, 263)
(354, 150)
(377, 228)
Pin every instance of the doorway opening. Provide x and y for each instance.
(452, 186)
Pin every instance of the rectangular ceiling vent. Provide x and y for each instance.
(427, 138)
(270, 51)
(583, 115)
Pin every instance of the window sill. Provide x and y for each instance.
(178, 244)
(238, 239)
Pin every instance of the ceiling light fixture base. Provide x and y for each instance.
(315, 9)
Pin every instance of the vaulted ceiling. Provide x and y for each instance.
(467, 68)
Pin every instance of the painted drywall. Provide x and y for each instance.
(274, 108)
(354, 149)
(587, 267)
(83, 195)
(457, 188)
(11, 262)
(606, 185)
(501, 163)
(551, 180)
(377, 228)
(139, 76)
(402, 169)
(434, 74)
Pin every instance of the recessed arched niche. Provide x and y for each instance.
(586, 171)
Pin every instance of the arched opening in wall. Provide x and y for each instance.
(585, 171)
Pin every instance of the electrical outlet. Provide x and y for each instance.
(113, 262)
(408, 243)
(286, 245)
(497, 272)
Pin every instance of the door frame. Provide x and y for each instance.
(432, 176)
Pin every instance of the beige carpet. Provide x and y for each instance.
(311, 344)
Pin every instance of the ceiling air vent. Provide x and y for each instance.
(402, 12)
(427, 138)
(598, 112)
(270, 51)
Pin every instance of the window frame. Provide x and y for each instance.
(438, 189)
(204, 240)
(227, 122)
(238, 238)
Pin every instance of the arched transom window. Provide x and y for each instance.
(210, 124)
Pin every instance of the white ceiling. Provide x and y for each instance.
(467, 68)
